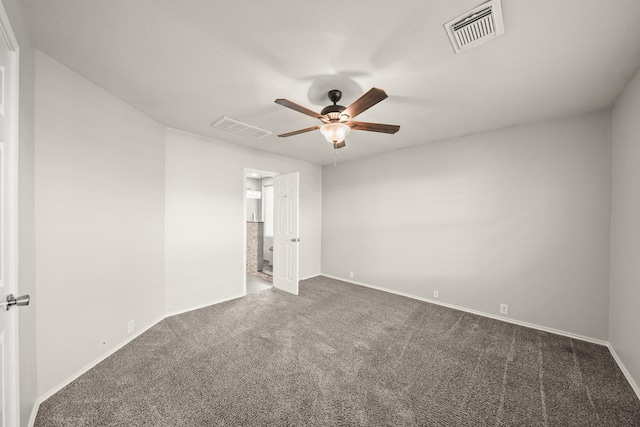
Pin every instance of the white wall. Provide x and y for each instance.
(625, 240)
(205, 218)
(27, 280)
(518, 216)
(267, 215)
(254, 206)
(99, 177)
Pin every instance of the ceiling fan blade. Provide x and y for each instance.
(296, 132)
(298, 108)
(365, 102)
(339, 145)
(373, 127)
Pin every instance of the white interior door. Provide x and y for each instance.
(286, 232)
(9, 403)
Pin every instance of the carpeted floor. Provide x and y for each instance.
(340, 354)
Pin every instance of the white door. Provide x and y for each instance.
(285, 233)
(8, 215)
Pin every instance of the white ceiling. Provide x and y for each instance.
(187, 62)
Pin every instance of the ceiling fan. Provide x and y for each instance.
(337, 119)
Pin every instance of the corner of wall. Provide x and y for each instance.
(625, 234)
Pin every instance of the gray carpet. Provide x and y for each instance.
(340, 354)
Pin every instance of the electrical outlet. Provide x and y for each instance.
(351, 275)
(504, 309)
(435, 294)
(130, 326)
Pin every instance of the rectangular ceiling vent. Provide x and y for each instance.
(235, 126)
(476, 26)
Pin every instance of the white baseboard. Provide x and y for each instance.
(479, 313)
(62, 384)
(34, 413)
(74, 376)
(624, 370)
(311, 277)
(77, 374)
(197, 307)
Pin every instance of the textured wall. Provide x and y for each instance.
(254, 251)
(625, 240)
(518, 216)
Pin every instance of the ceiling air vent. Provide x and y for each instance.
(232, 125)
(476, 26)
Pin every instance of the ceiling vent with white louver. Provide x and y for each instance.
(232, 125)
(476, 26)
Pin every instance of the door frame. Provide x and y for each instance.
(246, 174)
(10, 269)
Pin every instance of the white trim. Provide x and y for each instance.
(311, 277)
(244, 232)
(10, 270)
(617, 359)
(34, 413)
(624, 370)
(62, 384)
(479, 313)
(197, 307)
(7, 31)
(73, 377)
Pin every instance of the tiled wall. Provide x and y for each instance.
(254, 247)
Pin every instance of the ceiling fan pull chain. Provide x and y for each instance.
(335, 156)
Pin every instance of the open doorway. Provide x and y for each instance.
(259, 220)
(272, 231)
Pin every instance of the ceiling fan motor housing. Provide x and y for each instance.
(333, 111)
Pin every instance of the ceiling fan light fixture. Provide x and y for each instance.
(335, 132)
(337, 120)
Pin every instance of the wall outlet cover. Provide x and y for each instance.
(504, 309)
(435, 294)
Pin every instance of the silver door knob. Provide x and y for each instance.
(11, 301)
(295, 240)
